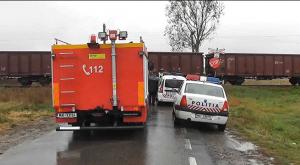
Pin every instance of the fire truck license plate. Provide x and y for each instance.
(203, 116)
(66, 115)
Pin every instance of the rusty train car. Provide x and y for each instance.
(35, 66)
(185, 62)
(236, 67)
(26, 66)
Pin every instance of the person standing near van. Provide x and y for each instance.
(152, 88)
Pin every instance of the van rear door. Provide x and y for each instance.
(169, 85)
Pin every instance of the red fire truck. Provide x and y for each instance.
(100, 86)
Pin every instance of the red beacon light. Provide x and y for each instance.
(113, 34)
(193, 77)
(93, 38)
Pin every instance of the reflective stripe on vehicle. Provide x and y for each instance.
(206, 109)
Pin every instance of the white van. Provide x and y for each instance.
(167, 87)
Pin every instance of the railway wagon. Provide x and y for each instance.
(184, 62)
(26, 66)
(236, 67)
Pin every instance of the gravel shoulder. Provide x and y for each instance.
(28, 131)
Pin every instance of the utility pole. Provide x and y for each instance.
(104, 29)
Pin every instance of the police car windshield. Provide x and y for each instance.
(203, 89)
(173, 83)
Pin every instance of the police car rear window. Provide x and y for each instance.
(169, 83)
(203, 89)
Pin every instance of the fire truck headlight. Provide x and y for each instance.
(123, 35)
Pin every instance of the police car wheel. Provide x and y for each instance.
(221, 127)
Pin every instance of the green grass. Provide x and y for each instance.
(21, 105)
(269, 116)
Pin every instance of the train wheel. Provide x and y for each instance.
(240, 81)
(293, 80)
(25, 82)
(44, 81)
(232, 82)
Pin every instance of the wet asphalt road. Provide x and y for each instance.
(158, 144)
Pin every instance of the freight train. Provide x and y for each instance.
(234, 67)
(35, 66)
(26, 66)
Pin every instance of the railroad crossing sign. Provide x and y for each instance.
(214, 62)
(216, 52)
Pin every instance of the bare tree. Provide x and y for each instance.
(190, 22)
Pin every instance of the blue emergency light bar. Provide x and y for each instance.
(194, 77)
(213, 80)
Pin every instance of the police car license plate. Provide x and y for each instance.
(207, 117)
(66, 115)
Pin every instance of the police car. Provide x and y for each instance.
(201, 101)
(168, 85)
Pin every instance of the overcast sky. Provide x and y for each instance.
(266, 27)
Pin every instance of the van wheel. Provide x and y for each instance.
(175, 119)
(159, 102)
(221, 127)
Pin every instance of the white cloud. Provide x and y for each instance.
(271, 27)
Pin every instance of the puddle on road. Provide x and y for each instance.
(255, 162)
(248, 148)
(240, 146)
